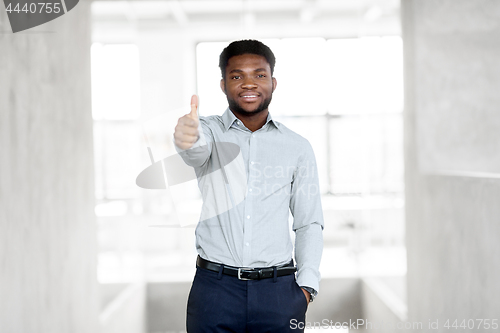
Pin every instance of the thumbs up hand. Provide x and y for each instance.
(194, 107)
(186, 132)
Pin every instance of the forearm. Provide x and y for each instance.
(195, 156)
(308, 252)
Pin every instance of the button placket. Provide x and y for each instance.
(247, 236)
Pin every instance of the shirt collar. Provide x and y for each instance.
(228, 118)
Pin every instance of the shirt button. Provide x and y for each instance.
(252, 162)
(253, 135)
(248, 216)
(250, 190)
(247, 244)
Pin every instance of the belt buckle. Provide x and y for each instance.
(239, 273)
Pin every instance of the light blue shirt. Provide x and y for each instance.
(265, 175)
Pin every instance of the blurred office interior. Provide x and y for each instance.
(398, 100)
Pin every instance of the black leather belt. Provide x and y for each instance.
(247, 273)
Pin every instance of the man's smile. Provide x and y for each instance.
(249, 96)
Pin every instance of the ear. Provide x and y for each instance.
(223, 86)
(275, 83)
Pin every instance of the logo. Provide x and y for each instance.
(25, 15)
(222, 183)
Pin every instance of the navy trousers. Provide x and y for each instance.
(223, 303)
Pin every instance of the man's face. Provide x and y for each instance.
(248, 84)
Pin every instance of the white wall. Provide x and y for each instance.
(452, 75)
(47, 226)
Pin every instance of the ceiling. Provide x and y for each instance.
(185, 12)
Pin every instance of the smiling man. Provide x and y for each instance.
(245, 278)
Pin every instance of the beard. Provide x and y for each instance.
(236, 108)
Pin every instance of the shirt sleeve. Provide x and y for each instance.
(308, 224)
(200, 152)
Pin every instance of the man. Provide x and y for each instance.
(245, 279)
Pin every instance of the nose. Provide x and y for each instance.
(249, 83)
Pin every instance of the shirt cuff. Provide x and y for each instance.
(311, 291)
(308, 277)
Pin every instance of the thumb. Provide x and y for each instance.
(194, 107)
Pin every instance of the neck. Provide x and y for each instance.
(253, 121)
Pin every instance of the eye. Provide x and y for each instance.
(261, 75)
(235, 77)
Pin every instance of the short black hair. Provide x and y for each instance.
(246, 46)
